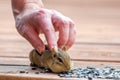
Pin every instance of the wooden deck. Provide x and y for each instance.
(97, 43)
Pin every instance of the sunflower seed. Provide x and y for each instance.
(36, 72)
(22, 71)
(33, 68)
(91, 72)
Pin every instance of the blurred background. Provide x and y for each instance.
(97, 22)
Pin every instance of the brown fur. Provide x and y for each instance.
(59, 62)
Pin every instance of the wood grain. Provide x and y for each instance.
(12, 72)
(97, 42)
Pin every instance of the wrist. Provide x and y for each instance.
(28, 9)
(22, 6)
(37, 2)
(32, 5)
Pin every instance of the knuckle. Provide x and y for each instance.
(64, 22)
(72, 27)
(21, 28)
(74, 31)
(20, 25)
(48, 30)
(42, 11)
(72, 23)
(41, 14)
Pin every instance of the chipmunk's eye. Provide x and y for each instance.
(59, 59)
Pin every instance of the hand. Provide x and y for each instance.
(31, 23)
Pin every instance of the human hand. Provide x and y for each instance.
(32, 23)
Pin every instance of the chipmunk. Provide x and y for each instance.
(59, 62)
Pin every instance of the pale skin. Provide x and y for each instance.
(32, 19)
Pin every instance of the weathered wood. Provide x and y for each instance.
(93, 27)
(12, 77)
(95, 52)
(14, 61)
(7, 61)
(97, 43)
(85, 51)
(12, 72)
(43, 77)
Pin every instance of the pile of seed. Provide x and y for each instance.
(91, 72)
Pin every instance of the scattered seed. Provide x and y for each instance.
(34, 68)
(42, 71)
(33, 65)
(36, 72)
(22, 71)
(91, 72)
(26, 72)
(67, 76)
(90, 67)
(61, 75)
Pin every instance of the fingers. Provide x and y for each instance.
(67, 32)
(67, 35)
(44, 21)
(48, 29)
(72, 35)
(29, 33)
(63, 33)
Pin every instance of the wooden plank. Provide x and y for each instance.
(85, 51)
(76, 64)
(14, 61)
(95, 52)
(12, 72)
(25, 61)
(40, 77)
(93, 26)
(97, 43)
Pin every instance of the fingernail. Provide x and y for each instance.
(40, 50)
(64, 48)
(54, 50)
